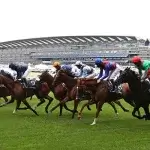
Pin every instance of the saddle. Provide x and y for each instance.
(28, 83)
(111, 86)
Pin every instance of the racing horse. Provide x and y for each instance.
(72, 90)
(101, 94)
(59, 90)
(140, 91)
(4, 92)
(18, 92)
(41, 91)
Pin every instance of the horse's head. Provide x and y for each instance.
(127, 76)
(57, 77)
(45, 76)
(6, 75)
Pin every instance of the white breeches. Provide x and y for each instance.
(92, 76)
(116, 72)
(26, 73)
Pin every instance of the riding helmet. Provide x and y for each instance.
(136, 59)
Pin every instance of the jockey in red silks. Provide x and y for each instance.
(112, 70)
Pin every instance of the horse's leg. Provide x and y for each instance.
(131, 102)
(114, 107)
(84, 105)
(29, 107)
(50, 99)
(100, 104)
(146, 109)
(9, 102)
(136, 108)
(6, 100)
(62, 102)
(88, 107)
(123, 108)
(65, 106)
(18, 102)
(60, 112)
(133, 105)
(40, 103)
(76, 102)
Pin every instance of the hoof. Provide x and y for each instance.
(14, 111)
(92, 124)
(79, 118)
(46, 111)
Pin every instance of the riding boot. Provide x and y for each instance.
(24, 82)
(115, 89)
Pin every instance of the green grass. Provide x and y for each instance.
(25, 131)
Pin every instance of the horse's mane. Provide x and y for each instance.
(6, 75)
(66, 73)
(135, 74)
(44, 73)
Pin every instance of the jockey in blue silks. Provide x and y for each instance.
(112, 70)
(72, 70)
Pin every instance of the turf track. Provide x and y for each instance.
(25, 131)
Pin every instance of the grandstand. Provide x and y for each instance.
(71, 48)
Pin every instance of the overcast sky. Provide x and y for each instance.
(21, 19)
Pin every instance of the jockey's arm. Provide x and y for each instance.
(110, 74)
(100, 74)
(105, 75)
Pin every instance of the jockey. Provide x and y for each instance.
(72, 70)
(111, 69)
(9, 71)
(22, 71)
(57, 65)
(88, 72)
(80, 66)
(142, 65)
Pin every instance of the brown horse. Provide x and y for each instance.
(73, 90)
(41, 92)
(101, 95)
(4, 93)
(59, 90)
(18, 92)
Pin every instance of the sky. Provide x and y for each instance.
(22, 19)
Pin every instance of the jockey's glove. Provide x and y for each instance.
(98, 80)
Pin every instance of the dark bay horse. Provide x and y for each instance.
(18, 92)
(40, 91)
(73, 90)
(4, 93)
(140, 91)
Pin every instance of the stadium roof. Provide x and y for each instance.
(45, 41)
